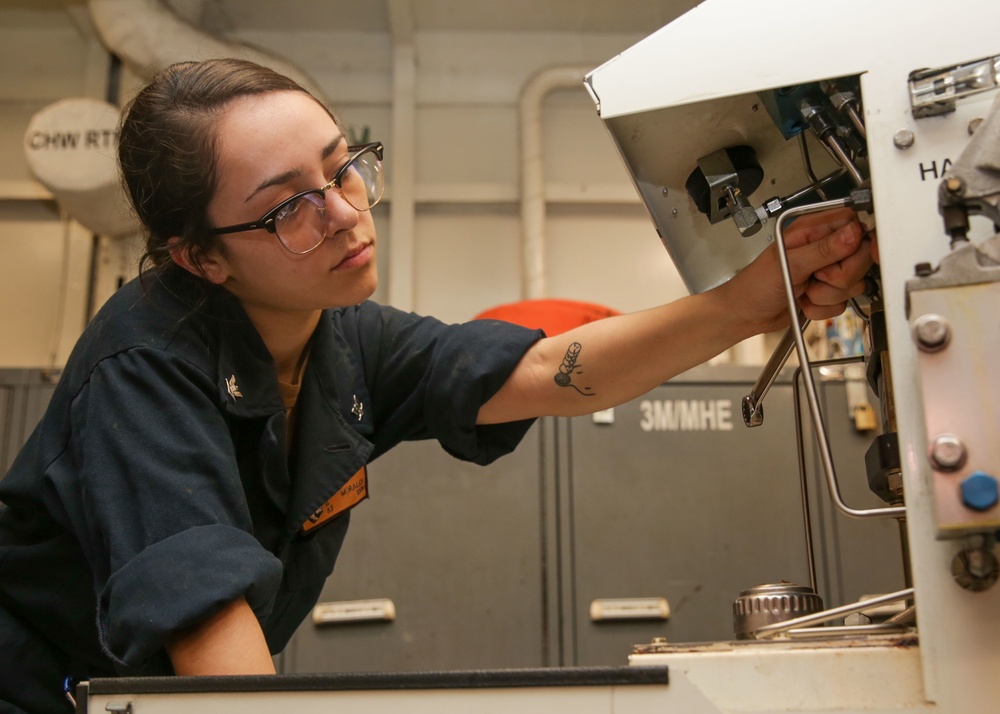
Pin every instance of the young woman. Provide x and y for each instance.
(187, 492)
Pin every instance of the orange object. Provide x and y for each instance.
(551, 315)
(351, 494)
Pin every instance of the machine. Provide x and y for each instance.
(892, 110)
(732, 121)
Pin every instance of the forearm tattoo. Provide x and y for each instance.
(569, 367)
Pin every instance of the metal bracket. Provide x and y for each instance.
(934, 91)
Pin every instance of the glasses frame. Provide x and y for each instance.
(267, 220)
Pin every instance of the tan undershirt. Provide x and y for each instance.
(290, 395)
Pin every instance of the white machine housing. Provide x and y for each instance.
(689, 89)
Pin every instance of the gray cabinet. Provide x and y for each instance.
(24, 394)
(457, 549)
(677, 499)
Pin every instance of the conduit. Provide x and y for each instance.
(533, 94)
(402, 216)
(148, 36)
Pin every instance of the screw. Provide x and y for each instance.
(955, 185)
(903, 139)
(923, 269)
(947, 452)
(666, 191)
(932, 332)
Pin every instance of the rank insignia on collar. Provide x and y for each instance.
(232, 388)
(358, 409)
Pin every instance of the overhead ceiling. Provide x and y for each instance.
(455, 15)
(598, 16)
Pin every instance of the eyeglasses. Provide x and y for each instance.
(300, 222)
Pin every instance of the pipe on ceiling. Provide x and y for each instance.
(148, 36)
(533, 94)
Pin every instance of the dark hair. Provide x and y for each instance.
(166, 148)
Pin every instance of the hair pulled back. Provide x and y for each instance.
(166, 148)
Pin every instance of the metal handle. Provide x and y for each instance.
(632, 608)
(819, 426)
(376, 610)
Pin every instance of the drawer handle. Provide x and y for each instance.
(377, 610)
(629, 608)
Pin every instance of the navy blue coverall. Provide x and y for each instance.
(158, 486)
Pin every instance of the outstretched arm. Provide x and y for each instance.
(608, 362)
(229, 642)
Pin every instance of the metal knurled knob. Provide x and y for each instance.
(768, 604)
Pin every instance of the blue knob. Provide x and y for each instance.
(980, 491)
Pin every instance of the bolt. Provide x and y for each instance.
(974, 124)
(947, 453)
(980, 491)
(903, 139)
(932, 332)
(923, 269)
(975, 569)
(955, 185)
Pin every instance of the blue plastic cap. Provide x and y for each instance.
(980, 491)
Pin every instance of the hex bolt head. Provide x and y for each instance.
(947, 453)
(980, 491)
(931, 332)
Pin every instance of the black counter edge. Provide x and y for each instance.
(470, 679)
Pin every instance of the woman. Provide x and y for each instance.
(185, 496)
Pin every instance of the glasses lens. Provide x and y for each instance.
(362, 183)
(301, 224)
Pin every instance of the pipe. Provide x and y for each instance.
(402, 215)
(533, 94)
(149, 36)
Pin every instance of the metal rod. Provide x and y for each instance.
(843, 630)
(807, 165)
(906, 616)
(852, 113)
(768, 631)
(815, 186)
(804, 486)
(800, 346)
(844, 160)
